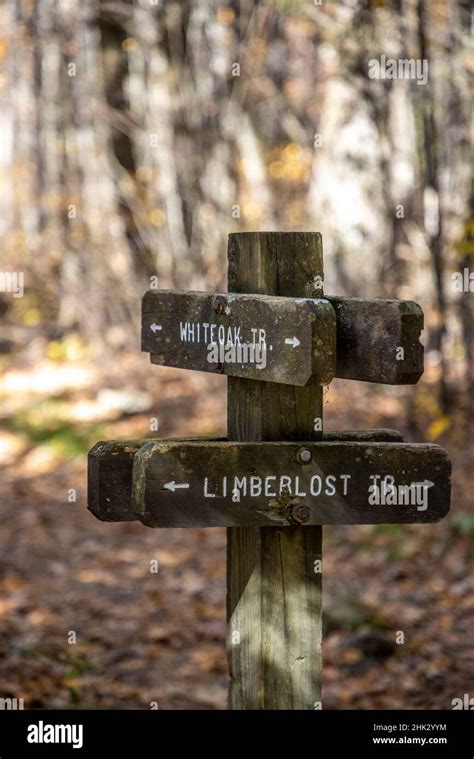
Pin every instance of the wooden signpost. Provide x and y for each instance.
(278, 477)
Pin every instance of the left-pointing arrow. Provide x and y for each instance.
(155, 327)
(174, 485)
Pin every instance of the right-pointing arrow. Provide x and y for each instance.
(292, 341)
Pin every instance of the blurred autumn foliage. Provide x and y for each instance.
(137, 135)
(134, 136)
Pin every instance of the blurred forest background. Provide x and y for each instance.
(134, 136)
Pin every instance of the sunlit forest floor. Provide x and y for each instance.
(144, 637)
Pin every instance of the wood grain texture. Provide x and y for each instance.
(273, 594)
(110, 467)
(285, 340)
(378, 340)
(380, 435)
(225, 484)
(109, 478)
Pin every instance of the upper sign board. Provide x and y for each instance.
(379, 340)
(287, 340)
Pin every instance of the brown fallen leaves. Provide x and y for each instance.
(143, 637)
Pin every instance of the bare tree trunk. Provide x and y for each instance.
(431, 148)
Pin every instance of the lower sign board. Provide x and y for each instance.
(227, 484)
(110, 469)
(286, 340)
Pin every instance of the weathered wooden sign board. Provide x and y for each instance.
(379, 340)
(110, 469)
(277, 469)
(199, 484)
(374, 341)
(287, 340)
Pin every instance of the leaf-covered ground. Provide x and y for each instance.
(143, 637)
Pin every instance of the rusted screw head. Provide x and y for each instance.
(219, 304)
(301, 513)
(303, 455)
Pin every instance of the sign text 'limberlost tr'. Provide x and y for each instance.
(224, 484)
(277, 477)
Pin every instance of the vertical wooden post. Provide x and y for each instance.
(273, 590)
